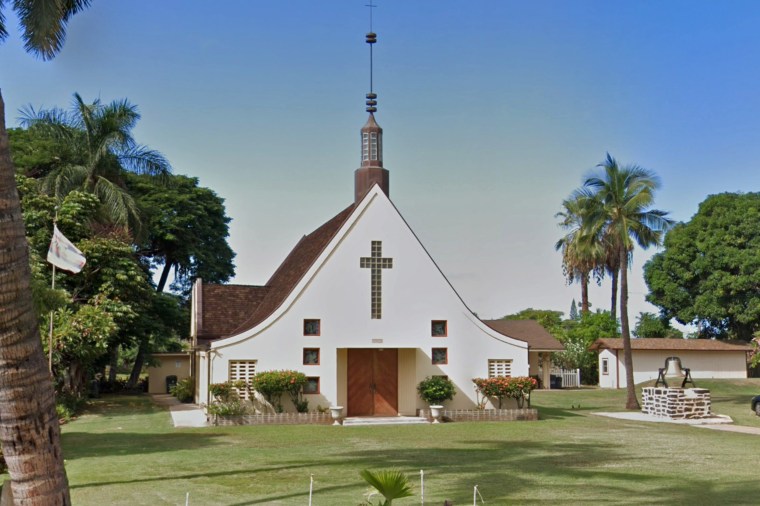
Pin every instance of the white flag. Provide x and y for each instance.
(63, 254)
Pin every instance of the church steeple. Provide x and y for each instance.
(371, 171)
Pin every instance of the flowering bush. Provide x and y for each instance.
(436, 389)
(272, 384)
(227, 391)
(500, 387)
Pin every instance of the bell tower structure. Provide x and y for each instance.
(371, 171)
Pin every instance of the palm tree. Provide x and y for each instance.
(100, 135)
(29, 429)
(391, 484)
(622, 217)
(581, 252)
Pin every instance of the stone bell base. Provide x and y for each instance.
(676, 403)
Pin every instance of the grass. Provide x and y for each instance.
(124, 451)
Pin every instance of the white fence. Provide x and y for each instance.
(571, 378)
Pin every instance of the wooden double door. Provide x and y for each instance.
(372, 382)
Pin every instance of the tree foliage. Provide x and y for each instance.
(549, 319)
(651, 325)
(186, 230)
(98, 140)
(579, 335)
(709, 272)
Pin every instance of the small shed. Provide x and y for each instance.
(707, 358)
(169, 367)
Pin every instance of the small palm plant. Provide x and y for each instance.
(390, 483)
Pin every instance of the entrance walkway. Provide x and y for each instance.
(183, 415)
(718, 422)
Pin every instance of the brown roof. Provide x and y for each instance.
(670, 344)
(225, 307)
(530, 331)
(292, 269)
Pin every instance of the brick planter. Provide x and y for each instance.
(676, 403)
(484, 415)
(275, 419)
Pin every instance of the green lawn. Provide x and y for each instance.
(124, 451)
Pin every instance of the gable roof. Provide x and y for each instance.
(661, 344)
(292, 269)
(529, 331)
(224, 307)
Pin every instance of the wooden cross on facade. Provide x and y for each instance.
(376, 263)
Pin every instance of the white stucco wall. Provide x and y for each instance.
(646, 363)
(337, 291)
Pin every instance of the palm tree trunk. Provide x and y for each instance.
(584, 294)
(613, 305)
(630, 402)
(29, 428)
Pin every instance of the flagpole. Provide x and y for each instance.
(50, 336)
(52, 287)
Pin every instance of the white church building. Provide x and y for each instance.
(360, 307)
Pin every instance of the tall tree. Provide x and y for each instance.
(582, 254)
(186, 230)
(101, 137)
(28, 423)
(709, 272)
(622, 216)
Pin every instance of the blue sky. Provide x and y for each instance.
(493, 112)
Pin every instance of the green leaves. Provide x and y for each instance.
(709, 272)
(436, 389)
(390, 483)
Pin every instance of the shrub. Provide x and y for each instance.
(228, 408)
(273, 384)
(227, 391)
(3, 465)
(68, 405)
(183, 390)
(436, 389)
(500, 387)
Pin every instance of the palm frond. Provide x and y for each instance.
(119, 205)
(3, 31)
(44, 23)
(391, 483)
(142, 160)
(62, 181)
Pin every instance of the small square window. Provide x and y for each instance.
(439, 328)
(440, 356)
(311, 327)
(311, 356)
(312, 385)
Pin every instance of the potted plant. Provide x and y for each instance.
(435, 390)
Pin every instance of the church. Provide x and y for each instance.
(361, 308)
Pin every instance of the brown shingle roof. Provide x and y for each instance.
(224, 307)
(530, 331)
(670, 344)
(293, 268)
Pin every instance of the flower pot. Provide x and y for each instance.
(435, 413)
(337, 413)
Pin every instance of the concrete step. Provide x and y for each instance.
(384, 420)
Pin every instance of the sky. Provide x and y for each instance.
(493, 112)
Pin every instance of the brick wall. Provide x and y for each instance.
(484, 415)
(676, 403)
(276, 419)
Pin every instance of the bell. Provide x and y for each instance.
(673, 368)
